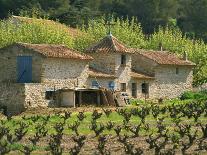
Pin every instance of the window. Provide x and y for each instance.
(95, 84)
(123, 87)
(123, 59)
(177, 70)
(111, 85)
(49, 95)
(145, 88)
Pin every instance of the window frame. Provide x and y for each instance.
(177, 70)
(123, 87)
(49, 95)
(123, 59)
(145, 88)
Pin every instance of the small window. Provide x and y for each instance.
(95, 84)
(177, 70)
(123, 59)
(123, 87)
(49, 95)
(111, 85)
(145, 88)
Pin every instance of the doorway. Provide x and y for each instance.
(24, 69)
(134, 90)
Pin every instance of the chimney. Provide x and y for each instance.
(185, 56)
(160, 46)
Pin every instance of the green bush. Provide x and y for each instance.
(136, 102)
(194, 95)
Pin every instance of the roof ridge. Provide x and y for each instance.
(113, 43)
(54, 51)
(164, 57)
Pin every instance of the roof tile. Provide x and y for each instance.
(96, 73)
(108, 44)
(163, 57)
(56, 51)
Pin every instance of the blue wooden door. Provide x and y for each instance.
(24, 69)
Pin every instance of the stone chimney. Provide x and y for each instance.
(185, 56)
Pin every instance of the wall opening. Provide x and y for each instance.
(123, 59)
(123, 87)
(145, 88)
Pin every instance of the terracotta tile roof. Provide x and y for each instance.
(71, 31)
(139, 75)
(164, 57)
(96, 73)
(108, 44)
(55, 51)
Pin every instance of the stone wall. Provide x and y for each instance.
(104, 62)
(65, 72)
(8, 61)
(168, 84)
(12, 96)
(139, 83)
(111, 63)
(123, 72)
(142, 64)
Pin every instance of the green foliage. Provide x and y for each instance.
(34, 31)
(127, 31)
(173, 40)
(194, 95)
(136, 102)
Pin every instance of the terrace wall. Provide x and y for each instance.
(12, 96)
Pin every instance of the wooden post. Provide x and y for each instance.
(80, 97)
(98, 98)
(74, 97)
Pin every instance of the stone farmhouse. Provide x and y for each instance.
(32, 73)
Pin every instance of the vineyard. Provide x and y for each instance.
(145, 129)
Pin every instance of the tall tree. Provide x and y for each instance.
(192, 18)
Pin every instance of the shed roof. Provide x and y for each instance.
(139, 75)
(55, 51)
(108, 44)
(164, 57)
(96, 73)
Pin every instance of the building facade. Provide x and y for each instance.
(32, 73)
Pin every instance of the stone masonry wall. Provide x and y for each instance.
(57, 74)
(104, 62)
(168, 84)
(8, 61)
(13, 97)
(139, 83)
(65, 72)
(140, 63)
(123, 72)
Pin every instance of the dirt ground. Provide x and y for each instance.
(91, 143)
(112, 146)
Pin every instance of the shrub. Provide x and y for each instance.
(136, 102)
(187, 95)
(202, 95)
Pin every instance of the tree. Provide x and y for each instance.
(192, 18)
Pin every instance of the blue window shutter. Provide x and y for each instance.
(24, 69)
(111, 85)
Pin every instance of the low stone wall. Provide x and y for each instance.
(12, 97)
